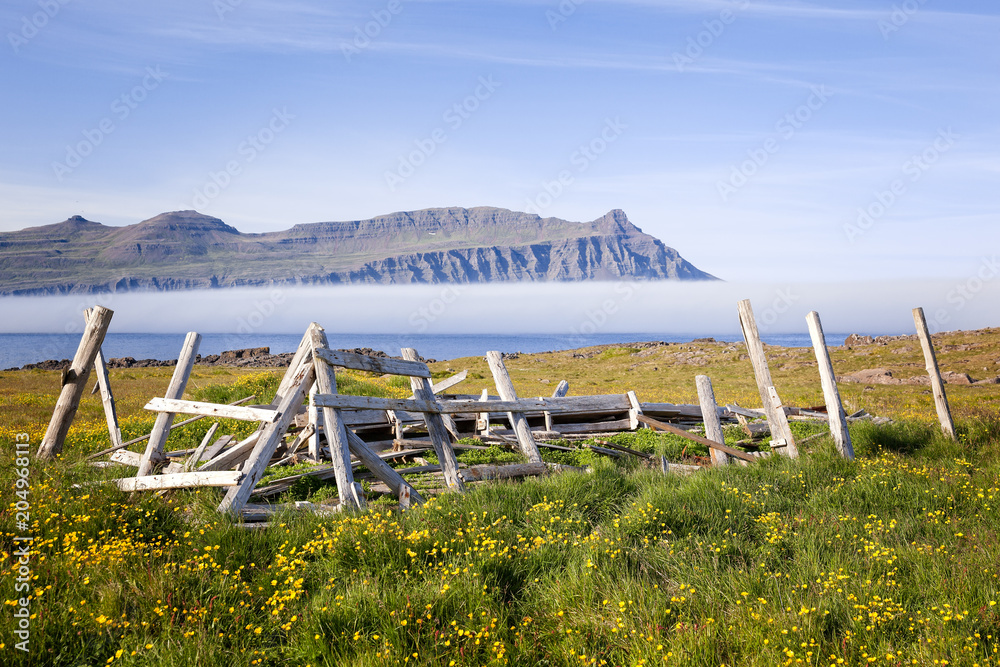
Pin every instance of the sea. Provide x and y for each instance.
(16, 350)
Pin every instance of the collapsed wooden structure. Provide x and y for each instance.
(238, 466)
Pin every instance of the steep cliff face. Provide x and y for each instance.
(187, 250)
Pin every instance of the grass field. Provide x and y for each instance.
(889, 559)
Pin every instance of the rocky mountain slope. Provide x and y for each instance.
(188, 250)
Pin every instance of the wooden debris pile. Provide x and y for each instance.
(332, 427)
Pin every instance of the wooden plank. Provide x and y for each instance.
(710, 415)
(752, 414)
(233, 456)
(216, 447)
(483, 418)
(780, 431)
(627, 450)
(75, 382)
(200, 451)
(141, 438)
(240, 412)
(382, 470)
(180, 480)
(517, 420)
(300, 437)
(937, 384)
(335, 431)
(360, 362)
(345, 402)
(435, 426)
(302, 378)
(483, 473)
(561, 390)
(108, 400)
(303, 351)
(125, 457)
(315, 421)
(670, 428)
(161, 427)
(834, 407)
(449, 382)
(635, 409)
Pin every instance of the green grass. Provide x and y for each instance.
(893, 556)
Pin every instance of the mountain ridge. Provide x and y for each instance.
(190, 250)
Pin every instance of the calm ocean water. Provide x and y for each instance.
(19, 349)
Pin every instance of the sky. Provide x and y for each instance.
(772, 142)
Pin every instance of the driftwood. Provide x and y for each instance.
(782, 434)
(75, 382)
(181, 480)
(937, 384)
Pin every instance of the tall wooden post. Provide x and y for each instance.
(517, 420)
(108, 399)
(161, 427)
(834, 406)
(75, 381)
(435, 427)
(710, 415)
(937, 384)
(782, 440)
(350, 492)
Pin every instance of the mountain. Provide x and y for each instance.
(188, 250)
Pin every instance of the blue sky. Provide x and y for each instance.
(747, 134)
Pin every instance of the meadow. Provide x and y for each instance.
(891, 559)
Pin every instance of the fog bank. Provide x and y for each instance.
(663, 307)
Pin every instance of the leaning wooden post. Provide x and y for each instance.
(436, 429)
(161, 427)
(782, 440)
(108, 399)
(517, 420)
(937, 384)
(316, 420)
(710, 415)
(834, 406)
(75, 381)
(350, 492)
(300, 379)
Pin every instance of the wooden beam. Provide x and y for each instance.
(334, 429)
(670, 428)
(635, 409)
(133, 441)
(449, 382)
(315, 415)
(517, 420)
(180, 480)
(302, 378)
(558, 405)
(937, 383)
(108, 400)
(360, 362)
(200, 450)
(483, 473)
(75, 382)
(561, 390)
(161, 427)
(421, 387)
(783, 440)
(383, 471)
(834, 407)
(240, 412)
(710, 415)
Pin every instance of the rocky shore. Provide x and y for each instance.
(254, 357)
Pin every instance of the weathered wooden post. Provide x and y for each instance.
(782, 440)
(937, 384)
(435, 427)
(315, 416)
(161, 427)
(517, 420)
(108, 399)
(350, 492)
(75, 381)
(710, 415)
(561, 390)
(834, 406)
